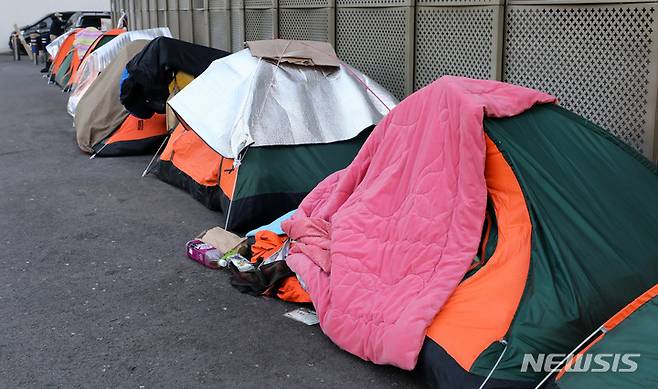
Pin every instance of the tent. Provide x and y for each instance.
(82, 41)
(88, 47)
(628, 342)
(503, 226)
(272, 179)
(63, 57)
(100, 58)
(145, 86)
(576, 215)
(53, 47)
(269, 128)
(103, 126)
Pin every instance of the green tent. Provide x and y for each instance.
(271, 180)
(628, 346)
(576, 239)
(63, 74)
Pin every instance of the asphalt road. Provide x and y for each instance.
(95, 288)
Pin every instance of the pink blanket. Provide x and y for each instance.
(382, 244)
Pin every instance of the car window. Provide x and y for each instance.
(36, 25)
(91, 21)
(71, 21)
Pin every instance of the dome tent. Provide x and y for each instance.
(572, 249)
(96, 61)
(103, 127)
(273, 125)
(568, 237)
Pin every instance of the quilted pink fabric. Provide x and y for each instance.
(382, 244)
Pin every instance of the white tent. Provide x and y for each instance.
(53, 47)
(242, 100)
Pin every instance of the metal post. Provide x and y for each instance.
(34, 42)
(14, 44)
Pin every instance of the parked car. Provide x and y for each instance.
(84, 19)
(73, 20)
(41, 24)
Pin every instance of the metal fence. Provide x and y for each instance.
(598, 57)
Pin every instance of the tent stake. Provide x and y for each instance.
(148, 167)
(98, 152)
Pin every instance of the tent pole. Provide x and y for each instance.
(230, 204)
(571, 355)
(500, 358)
(148, 167)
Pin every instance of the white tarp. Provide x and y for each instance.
(242, 101)
(97, 61)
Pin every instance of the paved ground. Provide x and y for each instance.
(95, 289)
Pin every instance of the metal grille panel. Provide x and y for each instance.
(153, 19)
(316, 24)
(162, 18)
(459, 41)
(373, 4)
(220, 29)
(600, 61)
(172, 5)
(260, 24)
(136, 18)
(201, 29)
(145, 14)
(382, 48)
(237, 29)
(185, 25)
(459, 3)
(219, 4)
(113, 10)
(185, 5)
(173, 23)
(130, 10)
(260, 4)
(306, 3)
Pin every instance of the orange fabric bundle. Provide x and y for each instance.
(268, 243)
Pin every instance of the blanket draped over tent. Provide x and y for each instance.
(84, 39)
(403, 221)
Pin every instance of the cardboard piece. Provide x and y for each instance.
(221, 239)
(306, 53)
(23, 42)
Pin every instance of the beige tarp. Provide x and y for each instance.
(99, 112)
(309, 53)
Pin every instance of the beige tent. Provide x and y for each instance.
(100, 114)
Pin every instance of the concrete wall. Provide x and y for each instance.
(28, 12)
